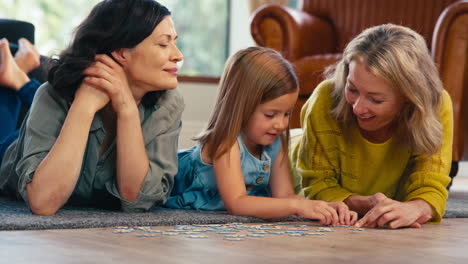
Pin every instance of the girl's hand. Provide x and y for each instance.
(93, 98)
(346, 217)
(320, 210)
(109, 76)
(394, 214)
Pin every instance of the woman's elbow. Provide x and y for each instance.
(43, 210)
(41, 205)
(129, 195)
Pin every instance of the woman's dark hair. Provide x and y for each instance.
(111, 25)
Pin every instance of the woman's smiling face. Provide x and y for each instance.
(152, 64)
(375, 103)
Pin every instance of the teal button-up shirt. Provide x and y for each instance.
(97, 184)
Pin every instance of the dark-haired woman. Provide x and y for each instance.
(104, 130)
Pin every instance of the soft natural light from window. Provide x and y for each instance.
(204, 42)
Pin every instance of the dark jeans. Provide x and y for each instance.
(5, 143)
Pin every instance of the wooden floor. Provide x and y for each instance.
(444, 243)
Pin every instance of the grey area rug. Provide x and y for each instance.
(14, 215)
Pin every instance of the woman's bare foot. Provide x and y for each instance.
(27, 56)
(10, 74)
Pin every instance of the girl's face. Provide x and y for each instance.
(268, 121)
(375, 103)
(152, 64)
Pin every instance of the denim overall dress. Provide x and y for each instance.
(195, 183)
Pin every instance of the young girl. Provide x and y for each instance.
(241, 163)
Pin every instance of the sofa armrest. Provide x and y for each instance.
(292, 32)
(450, 53)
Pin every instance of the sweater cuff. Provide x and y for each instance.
(437, 204)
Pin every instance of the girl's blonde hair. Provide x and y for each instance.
(400, 56)
(252, 76)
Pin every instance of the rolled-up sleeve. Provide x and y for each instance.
(430, 177)
(314, 157)
(38, 135)
(161, 133)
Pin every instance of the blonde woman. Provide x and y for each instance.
(241, 162)
(377, 134)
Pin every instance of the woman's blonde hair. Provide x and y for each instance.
(252, 76)
(400, 56)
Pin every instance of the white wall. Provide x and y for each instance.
(200, 97)
(240, 36)
(199, 100)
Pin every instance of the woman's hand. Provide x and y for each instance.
(362, 204)
(93, 98)
(394, 214)
(109, 76)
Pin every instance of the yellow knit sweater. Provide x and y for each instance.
(333, 167)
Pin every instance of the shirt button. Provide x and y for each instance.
(259, 180)
(266, 167)
(249, 187)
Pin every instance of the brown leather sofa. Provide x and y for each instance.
(314, 37)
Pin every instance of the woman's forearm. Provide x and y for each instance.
(57, 175)
(132, 160)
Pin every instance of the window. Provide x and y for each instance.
(54, 20)
(202, 26)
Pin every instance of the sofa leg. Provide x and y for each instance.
(453, 173)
